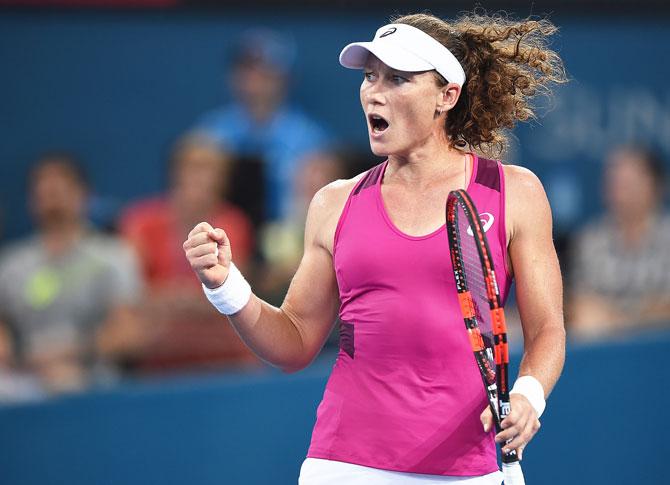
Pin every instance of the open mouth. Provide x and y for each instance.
(378, 123)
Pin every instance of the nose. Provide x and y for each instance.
(372, 94)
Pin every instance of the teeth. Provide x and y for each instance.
(379, 124)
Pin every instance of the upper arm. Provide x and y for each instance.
(6, 346)
(124, 278)
(532, 253)
(312, 300)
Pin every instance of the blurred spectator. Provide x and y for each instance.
(15, 384)
(2, 223)
(67, 294)
(189, 331)
(261, 126)
(620, 270)
(281, 242)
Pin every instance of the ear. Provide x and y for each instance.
(447, 97)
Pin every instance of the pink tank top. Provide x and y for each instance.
(405, 393)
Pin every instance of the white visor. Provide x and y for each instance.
(405, 48)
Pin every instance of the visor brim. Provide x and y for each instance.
(354, 56)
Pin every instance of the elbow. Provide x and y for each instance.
(292, 369)
(553, 330)
(560, 334)
(557, 332)
(550, 335)
(295, 366)
(302, 351)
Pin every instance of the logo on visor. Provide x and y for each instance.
(388, 32)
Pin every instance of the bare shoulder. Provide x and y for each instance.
(325, 210)
(335, 193)
(521, 181)
(525, 199)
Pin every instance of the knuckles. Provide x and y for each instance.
(204, 227)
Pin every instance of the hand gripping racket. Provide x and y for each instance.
(479, 300)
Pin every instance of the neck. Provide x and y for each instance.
(634, 230)
(431, 159)
(59, 238)
(189, 212)
(262, 112)
(428, 164)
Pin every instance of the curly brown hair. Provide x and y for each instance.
(507, 64)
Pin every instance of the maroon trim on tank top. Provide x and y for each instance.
(347, 344)
(488, 174)
(370, 179)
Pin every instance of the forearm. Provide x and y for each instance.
(6, 347)
(544, 356)
(272, 335)
(123, 335)
(288, 337)
(654, 309)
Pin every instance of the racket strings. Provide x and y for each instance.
(476, 283)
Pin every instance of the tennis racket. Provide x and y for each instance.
(483, 314)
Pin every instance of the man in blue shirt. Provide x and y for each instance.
(260, 124)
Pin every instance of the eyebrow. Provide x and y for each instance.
(368, 67)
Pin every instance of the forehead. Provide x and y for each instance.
(55, 168)
(374, 63)
(628, 160)
(189, 155)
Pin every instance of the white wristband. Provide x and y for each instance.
(531, 388)
(232, 295)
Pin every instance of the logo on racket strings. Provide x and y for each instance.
(487, 221)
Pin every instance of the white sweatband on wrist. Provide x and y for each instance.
(232, 295)
(531, 388)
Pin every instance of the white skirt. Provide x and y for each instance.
(315, 471)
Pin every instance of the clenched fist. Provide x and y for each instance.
(209, 254)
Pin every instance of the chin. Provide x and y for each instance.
(379, 152)
(379, 149)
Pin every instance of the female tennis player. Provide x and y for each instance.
(405, 403)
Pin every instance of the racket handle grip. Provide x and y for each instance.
(512, 473)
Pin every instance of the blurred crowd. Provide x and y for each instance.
(618, 266)
(83, 307)
(83, 304)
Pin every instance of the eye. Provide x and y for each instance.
(399, 79)
(370, 76)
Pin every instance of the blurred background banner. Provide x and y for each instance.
(124, 123)
(117, 86)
